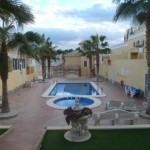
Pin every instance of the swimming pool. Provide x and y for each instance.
(64, 102)
(74, 89)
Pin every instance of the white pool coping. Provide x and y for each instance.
(98, 89)
(104, 127)
(51, 103)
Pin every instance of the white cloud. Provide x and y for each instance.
(68, 22)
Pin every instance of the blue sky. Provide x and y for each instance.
(68, 22)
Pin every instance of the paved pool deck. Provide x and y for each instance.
(35, 115)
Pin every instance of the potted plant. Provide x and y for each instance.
(74, 115)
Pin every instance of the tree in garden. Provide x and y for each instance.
(41, 53)
(138, 12)
(25, 43)
(45, 51)
(88, 52)
(99, 46)
(12, 13)
(51, 54)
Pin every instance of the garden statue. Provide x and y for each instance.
(79, 119)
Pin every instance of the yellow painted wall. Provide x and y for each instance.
(133, 73)
(85, 71)
(72, 60)
(122, 67)
(16, 79)
(104, 70)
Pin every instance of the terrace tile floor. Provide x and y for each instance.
(35, 115)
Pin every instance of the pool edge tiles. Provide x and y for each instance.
(98, 90)
(51, 103)
(50, 88)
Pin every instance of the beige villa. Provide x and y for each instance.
(21, 69)
(74, 64)
(127, 64)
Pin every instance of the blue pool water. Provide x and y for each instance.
(73, 89)
(70, 101)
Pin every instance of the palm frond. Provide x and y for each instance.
(9, 6)
(33, 37)
(18, 39)
(133, 10)
(18, 10)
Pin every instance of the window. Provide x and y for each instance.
(18, 64)
(27, 70)
(15, 66)
(134, 55)
(23, 63)
(85, 63)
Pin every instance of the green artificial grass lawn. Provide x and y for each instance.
(126, 139)
(2, 131)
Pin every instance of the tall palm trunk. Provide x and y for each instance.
(148, 58)
(4, 77)
(49, 65)
(90, 64)
(97, 66)
(43, 68)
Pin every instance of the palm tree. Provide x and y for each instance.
(44, 51)
(51, 54)
(88, 52)
(138, 11)
(25, 43)
(99, 46)
(41, 53)
(12, 13)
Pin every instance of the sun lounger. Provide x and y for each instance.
(132, 91)
(30, 84)
(113, 105)
(129, 105)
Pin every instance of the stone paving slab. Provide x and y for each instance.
(35, 115)
(11, 114)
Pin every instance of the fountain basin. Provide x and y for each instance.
(64, 102)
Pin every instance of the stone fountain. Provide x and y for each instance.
(79, 129)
